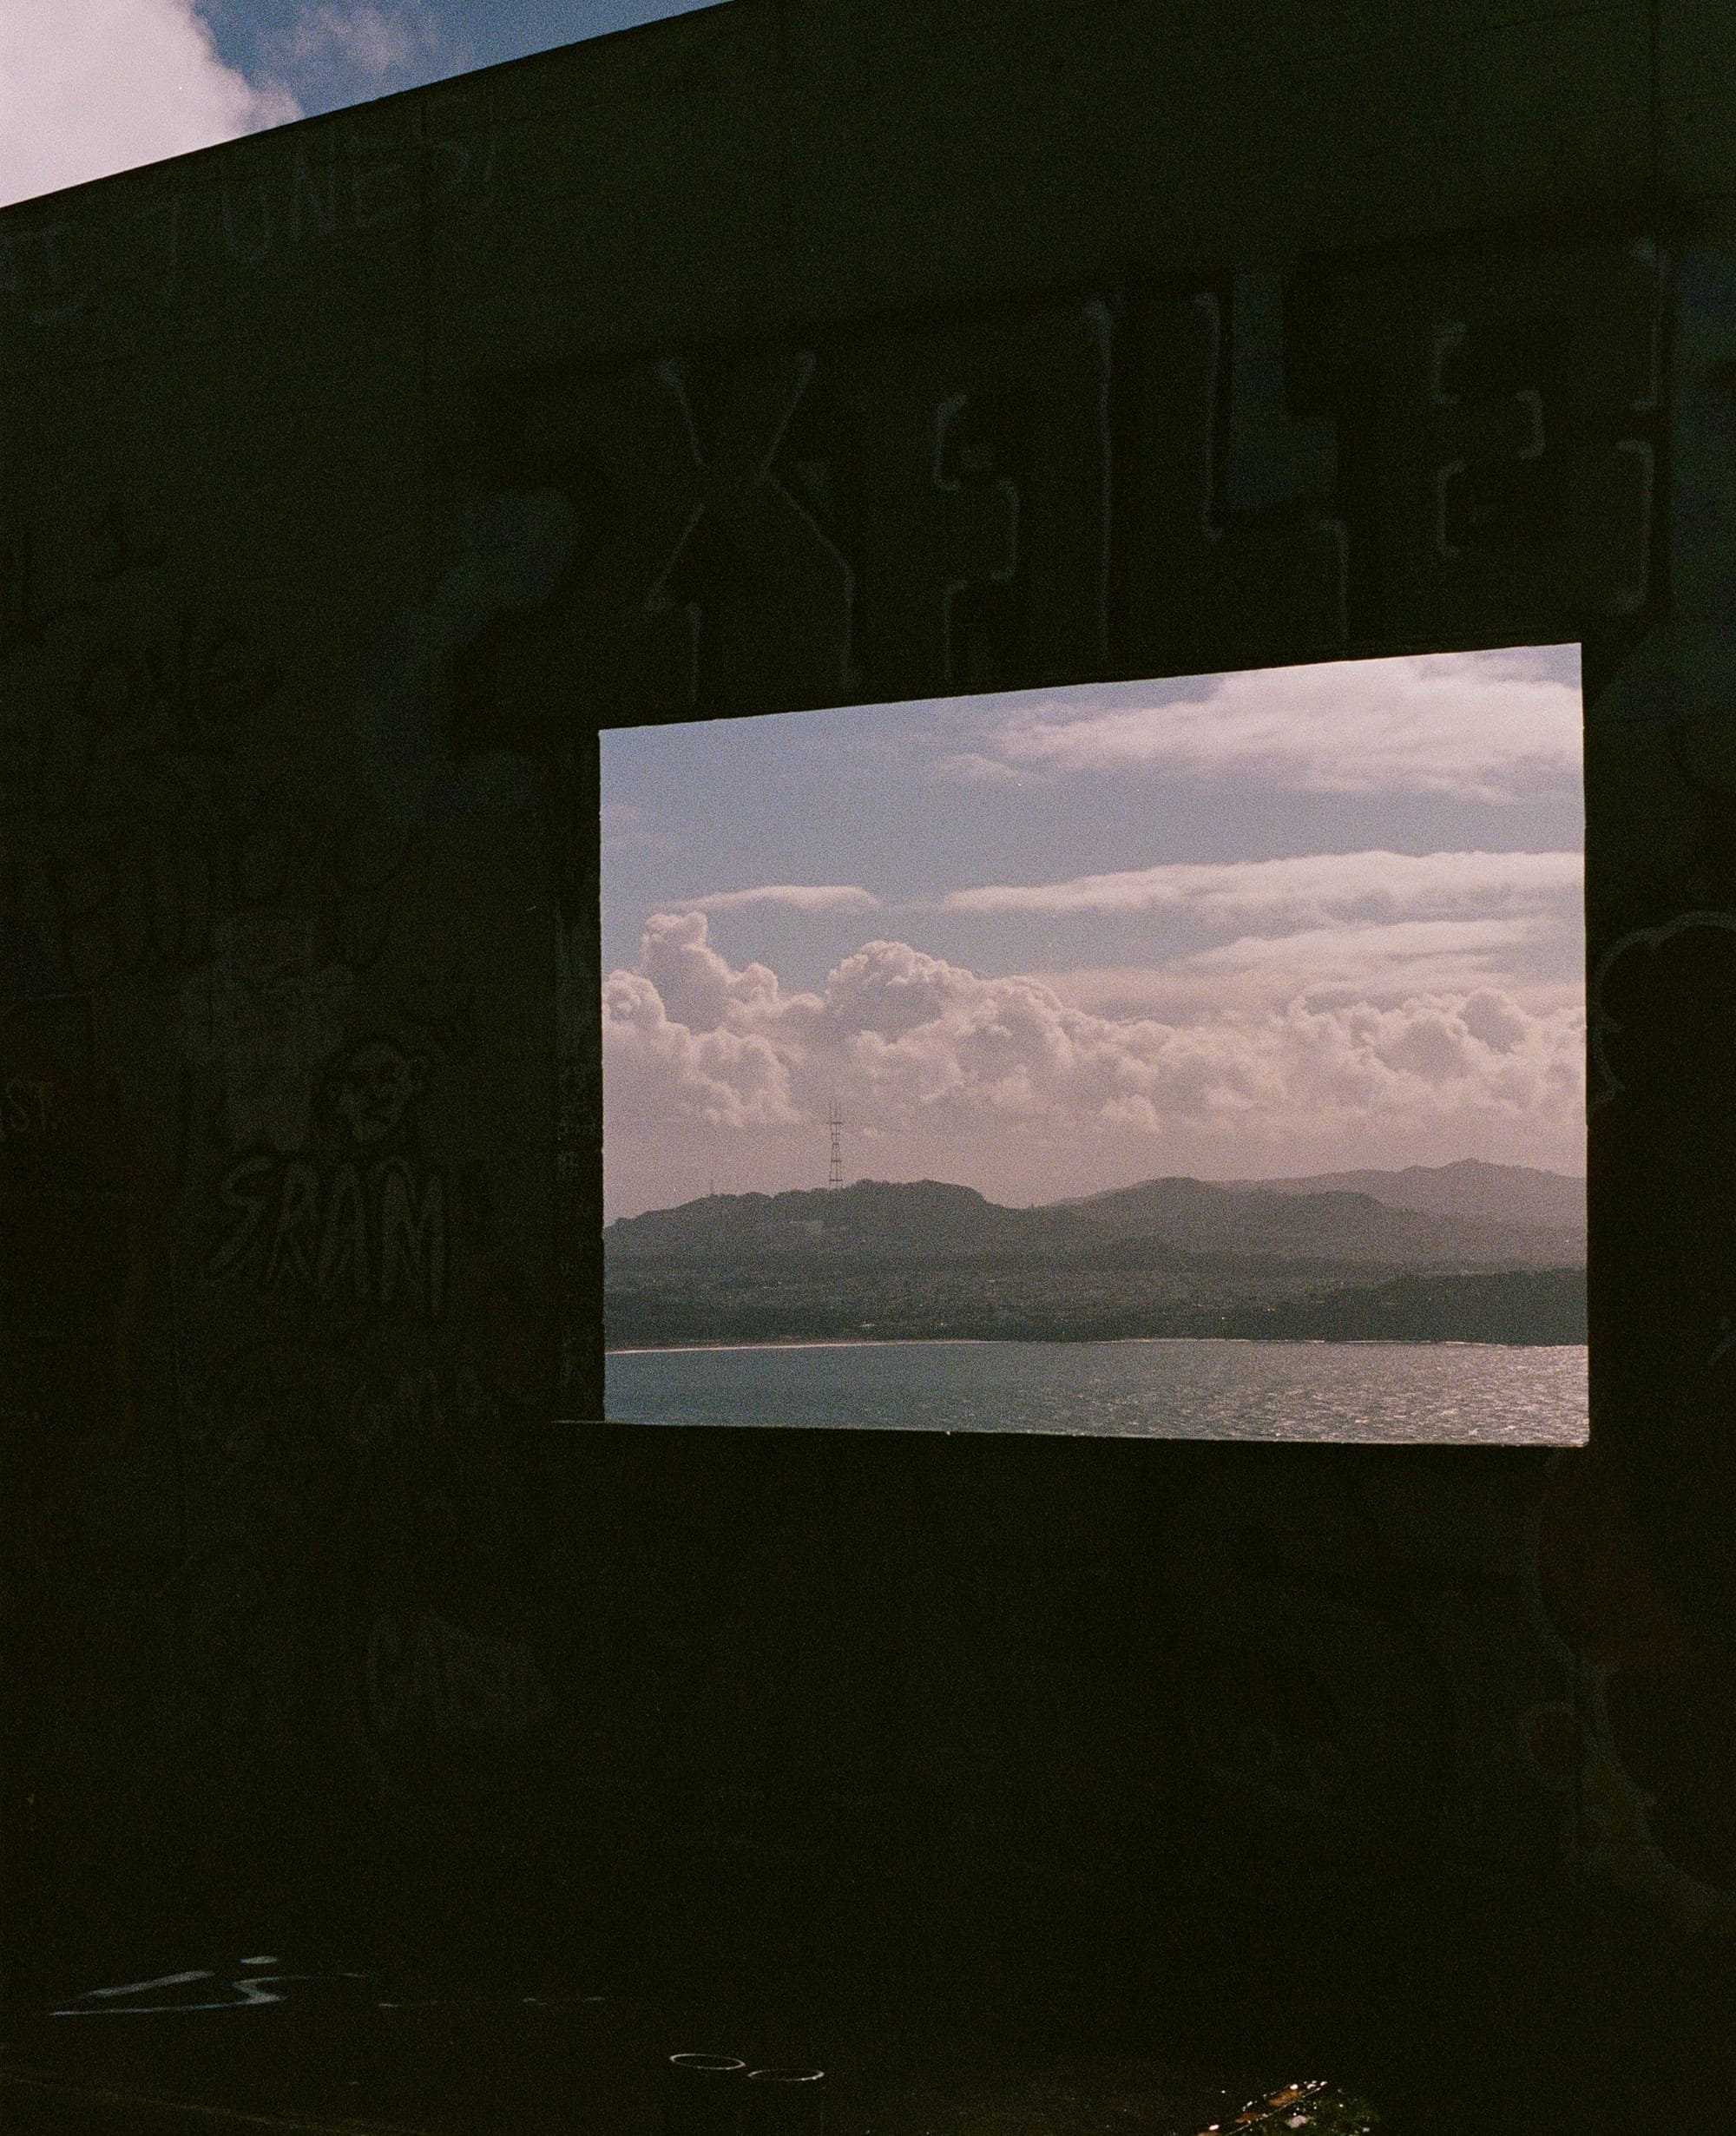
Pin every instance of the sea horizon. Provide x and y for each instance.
(963, 1342)
(1449, 1392)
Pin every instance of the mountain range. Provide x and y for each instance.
(1494, 1193)
(1461, 1216)
(1471, 1252)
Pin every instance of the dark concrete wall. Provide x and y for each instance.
(351, 477)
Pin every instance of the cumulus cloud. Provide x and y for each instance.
(1254, 980)
(798, 897)
(91, 87)
(1484, 728)
(912, 1045)
(1313, 887)
(337, 50)
(664, 1070)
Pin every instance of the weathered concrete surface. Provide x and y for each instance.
(351, 477)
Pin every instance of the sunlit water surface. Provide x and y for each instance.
(1480, 1393)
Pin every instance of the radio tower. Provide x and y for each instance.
(834, 1170)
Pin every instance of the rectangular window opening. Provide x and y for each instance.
(1201, 1058)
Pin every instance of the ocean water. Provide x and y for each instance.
(1488, 1394)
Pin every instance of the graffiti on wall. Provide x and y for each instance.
(362, 1217)
(378, 1233)
(444, 1636)
(315, 1254)
(276, 201)
(1149, 480)
(514, 546)
(262, 1019)
(82, 1229)
(1134, 483)
(88, 678)
(1631, 1584)
(354, 1608)
(431, 1675)
(253, 1988)
(1639, 1750)
(1146, 479)
(1361, 1673)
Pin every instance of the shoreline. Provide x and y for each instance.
(889, 1342)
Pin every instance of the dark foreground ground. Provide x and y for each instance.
(970, 2013)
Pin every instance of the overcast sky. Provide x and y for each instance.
(1238, 926)
(91, 87)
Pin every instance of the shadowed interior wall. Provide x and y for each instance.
(351, 477)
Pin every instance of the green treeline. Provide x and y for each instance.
(675, 1305)
(1518, 1305)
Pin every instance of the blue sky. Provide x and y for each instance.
(330, 53)
(91, 87)
(1238, 925)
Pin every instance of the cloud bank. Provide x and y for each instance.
(796, 896)
(1290, 1009)
(912, 1046)
(91, 87)
(1313, 888)
(1482, 728)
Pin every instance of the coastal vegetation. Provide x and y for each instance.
(1285, 1261)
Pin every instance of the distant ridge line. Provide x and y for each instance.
(1469, 1186)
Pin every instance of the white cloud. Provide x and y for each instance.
(1376, 961)
(1312, 888)
(628, 829)
(666, 1072)
(912, 1046)
(693, 985)
(91, 87)
(970, 767)
(798, 897)
(1328, 968)
(339, 50)
(369, 38)
(1477, 727)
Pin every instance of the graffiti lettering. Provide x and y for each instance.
(50, 575)
(94, 555)
(264, 1018)
(343, 180)
(252, 1991)
(987, 467)
(422, 1407)
(625, 620)
(1512, 421)
(42, 271)
(267, 206)
(375, 1234)
(933, 509)
(27, 1108)
(408, 1413)
(195, 680)
(182, 890)
(450, 1681)
(25, 612)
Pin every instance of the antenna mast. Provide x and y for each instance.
(834, 1120)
